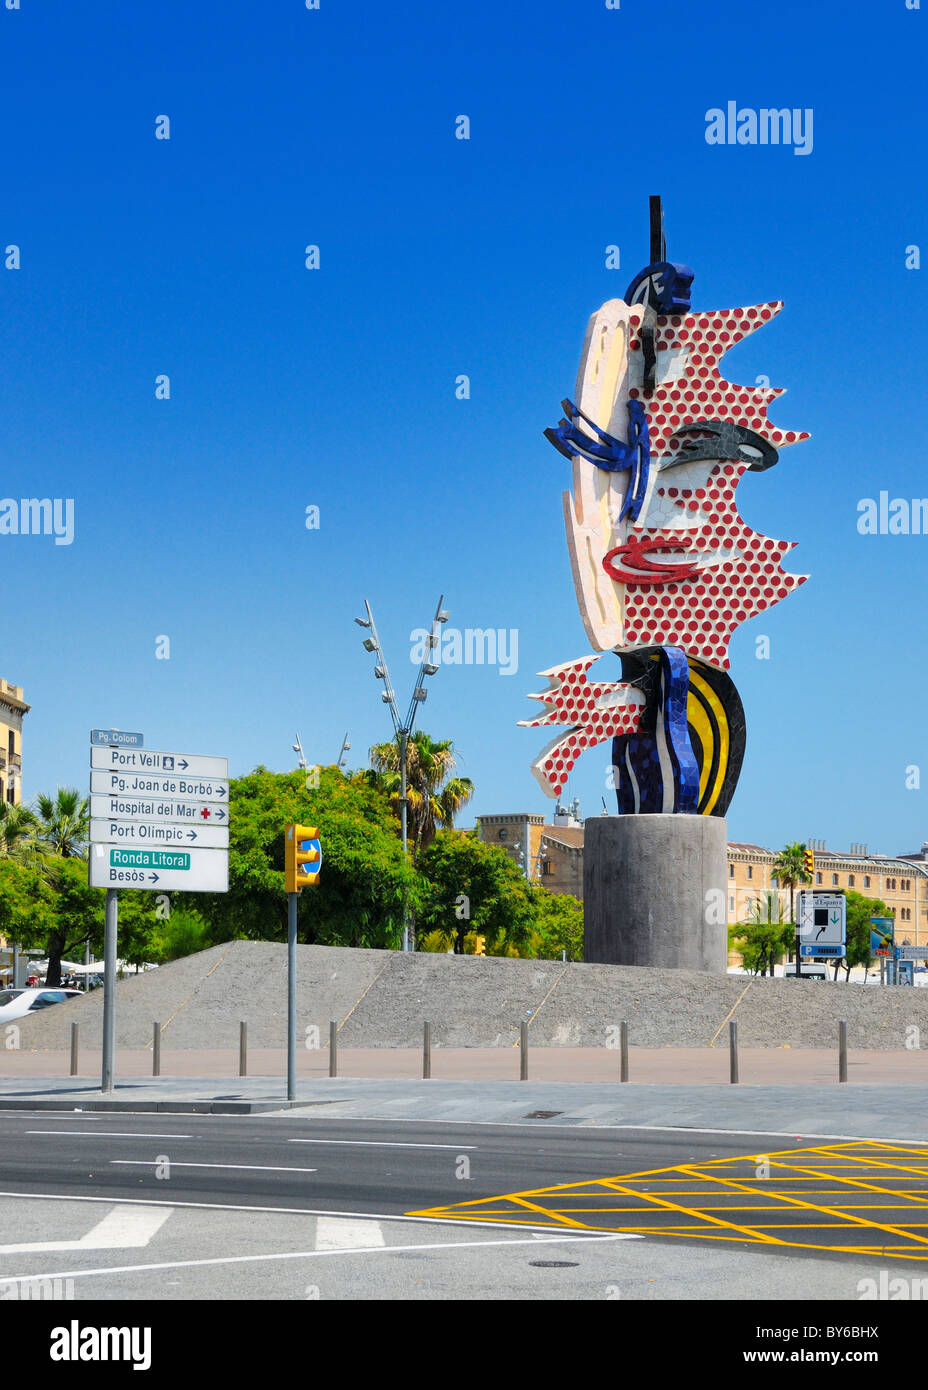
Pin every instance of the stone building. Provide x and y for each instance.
(12, 709)
(555, 853)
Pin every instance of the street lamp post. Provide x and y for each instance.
(403, 729)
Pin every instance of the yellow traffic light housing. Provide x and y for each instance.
(809, 862)
(301, 851)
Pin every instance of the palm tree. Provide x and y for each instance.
(790, 869)
(18, 827)
(64, 822)
(433, 796)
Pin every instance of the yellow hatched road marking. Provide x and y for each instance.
(828, 1167)
(830, 1211)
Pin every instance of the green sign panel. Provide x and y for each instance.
(149, 859)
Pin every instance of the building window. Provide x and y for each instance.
(547, 867)
(750, 871)
(731, 871)
(818, 878)
(731, 904)
(866, 880)
(850, 880)
(834, 880)
(502, 834)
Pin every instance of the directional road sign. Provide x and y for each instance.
(135, 832)
(145, 760)
(159, 870)
(822, 918)
(161, 784)
(158, 808)
(117, 738)
(912, 953)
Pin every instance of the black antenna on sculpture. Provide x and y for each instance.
(658, 238)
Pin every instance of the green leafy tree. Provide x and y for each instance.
(359, 899)
(859, 911)
(558, 925)
(469, 886)
(763, 938)
(181, 934)
(46, 903)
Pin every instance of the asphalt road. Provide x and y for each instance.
(290, 1206)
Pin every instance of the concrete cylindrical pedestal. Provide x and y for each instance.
(654, 891)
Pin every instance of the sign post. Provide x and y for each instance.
(111, 924)
(159, 823)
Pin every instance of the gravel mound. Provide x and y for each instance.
(382, 998)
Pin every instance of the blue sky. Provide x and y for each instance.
(336, 387)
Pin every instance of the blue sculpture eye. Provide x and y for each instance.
(609, 453)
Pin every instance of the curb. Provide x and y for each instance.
(176, 1107)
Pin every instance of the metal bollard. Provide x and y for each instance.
(243, 1048)
(523, 1050)
(156, 1049)
(842, 1051)
(333, 1048)
(733, 1046)
(426, 1051)
(74, 1030)
(623, 1044)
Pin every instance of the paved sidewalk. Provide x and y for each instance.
(647, 1066)
(836, 1111)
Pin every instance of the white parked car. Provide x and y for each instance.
(16, 1003)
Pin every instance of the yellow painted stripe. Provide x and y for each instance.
(722, 738)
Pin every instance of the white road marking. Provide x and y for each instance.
(773, 1134)
(382, 1144)
(581, 1126)
(123, 1227)
(109, 1134)
(302, 1255)
(344, 1233)
(287, 1211)
(236, 1167)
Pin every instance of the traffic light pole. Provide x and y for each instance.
(292, 900)
(403, 736)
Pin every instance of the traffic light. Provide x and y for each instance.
(480, 943)
(302, 852)
(808, 862)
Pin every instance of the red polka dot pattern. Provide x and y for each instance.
(701, 613)
(597, 712)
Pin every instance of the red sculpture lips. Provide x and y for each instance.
(645, 571)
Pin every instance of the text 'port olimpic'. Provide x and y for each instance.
(665, 569)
